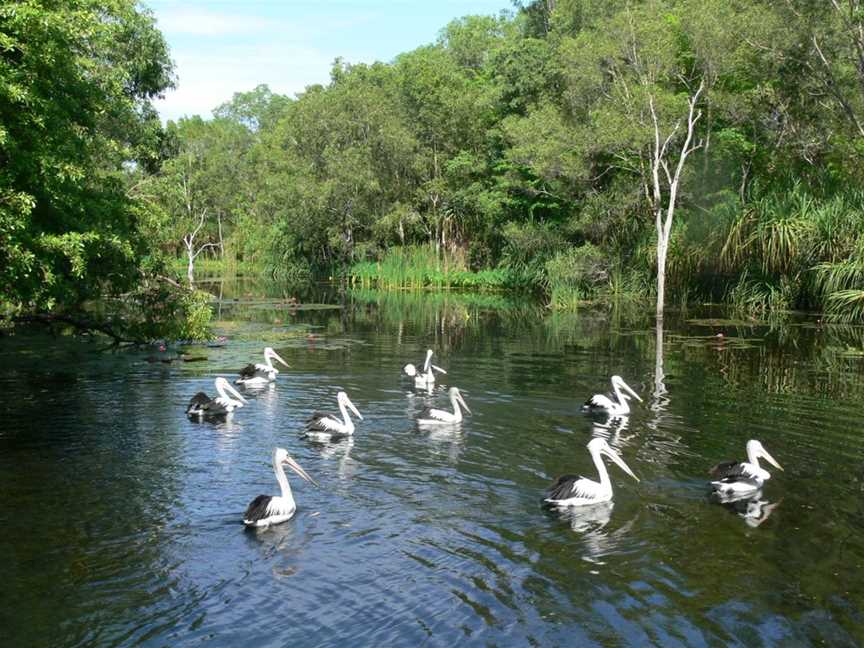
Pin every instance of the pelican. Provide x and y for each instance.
(253, 375)
(427, 377)
(265, 510)
(600, 402)
(202, 405)
(321, 425)
(738, 477)
(572, 490)
(443, 417)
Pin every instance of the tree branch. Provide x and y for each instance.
(81, 324)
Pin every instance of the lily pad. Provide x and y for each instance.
(720, 322)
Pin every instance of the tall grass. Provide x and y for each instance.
(418, 267)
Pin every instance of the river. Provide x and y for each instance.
(121, 518)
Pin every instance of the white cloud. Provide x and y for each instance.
(210, 23)
(205, 81)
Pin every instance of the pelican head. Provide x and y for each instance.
(343, 399)
(598, 445)
(281, 457)
(227, 391)
(456, 395)
(410, 370)
(269, 354)
(756, 450)
(618, 381)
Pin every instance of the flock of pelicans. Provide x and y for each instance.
(733, 480)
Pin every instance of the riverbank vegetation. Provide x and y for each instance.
(574, 147)
(589, 151)
(78, 133)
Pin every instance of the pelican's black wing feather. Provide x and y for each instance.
(248, 371)
(197, 404)
(199, 399)
(562, 488)
(730, 471)
(314, 424)
(257, 509)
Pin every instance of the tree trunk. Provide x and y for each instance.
(660, 163)
(190, 268)
(662, 247)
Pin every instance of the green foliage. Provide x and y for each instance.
(516, 151)
(76, 79)
(160, 310)
(759, 299)
(419, 267)
(576, 275)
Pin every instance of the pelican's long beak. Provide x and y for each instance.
(632, 393)
(234, 392)
(223, 387)
(353, 409)
(438, 369)
(764, 453)
(428, 360)
(293, 465)
(618, 460)
(464, 404)
(279, 358)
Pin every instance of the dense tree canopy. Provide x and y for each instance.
(528, 143)
(76, 79)
(541, 147)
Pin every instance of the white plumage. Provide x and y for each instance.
(737, 478)
(443, 417)
(426, 378)
(327, 426)
(229, 399)
(265, 510)
(573, 490)
(253, 375)
(617, 407)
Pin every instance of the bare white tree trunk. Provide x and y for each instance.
(660, 162)
(191, 252)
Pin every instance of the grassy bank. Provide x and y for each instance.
(418, 267)
(212, 266)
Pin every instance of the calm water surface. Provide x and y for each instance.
(121, 518)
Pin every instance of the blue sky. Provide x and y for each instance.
(225, 46)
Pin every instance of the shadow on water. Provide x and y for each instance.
(122, 519)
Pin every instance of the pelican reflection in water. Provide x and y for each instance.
(612, 430)
(752, 508)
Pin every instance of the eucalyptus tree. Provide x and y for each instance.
(200, 188)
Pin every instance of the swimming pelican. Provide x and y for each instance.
(427, 377)
(265, 510)
(738, 477)
(442, 417)
(572, 490)
(606, 404)
(323, 426)
(261, 373)
(203, 406)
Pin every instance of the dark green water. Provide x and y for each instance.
(121, 519)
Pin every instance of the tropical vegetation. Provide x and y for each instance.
(590, 150)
